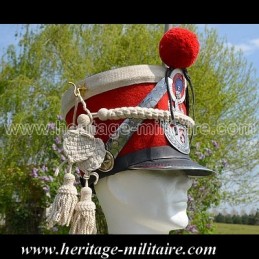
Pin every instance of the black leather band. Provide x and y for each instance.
(164, 156)
(149, 154)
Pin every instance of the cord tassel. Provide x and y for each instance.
(83, 221)
(61, 210)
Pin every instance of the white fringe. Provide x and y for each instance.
(83, 221)
(64, 203)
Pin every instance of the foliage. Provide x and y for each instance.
(33, 78)
(205, 191)
(226, 90)
(26, 194)
(246, 219)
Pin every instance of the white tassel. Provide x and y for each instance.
(83, 221)
(64, 203)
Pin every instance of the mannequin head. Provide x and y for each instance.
(144, 201)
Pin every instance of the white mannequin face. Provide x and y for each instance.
(144, 202)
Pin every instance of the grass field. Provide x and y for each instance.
(222, 228)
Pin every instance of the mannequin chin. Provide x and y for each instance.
(144, 201)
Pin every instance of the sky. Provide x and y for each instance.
(7, 35)
(241, 36)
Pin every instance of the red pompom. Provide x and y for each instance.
(179, 48)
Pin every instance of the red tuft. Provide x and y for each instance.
(179, 48)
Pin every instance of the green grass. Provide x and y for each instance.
(221, 228)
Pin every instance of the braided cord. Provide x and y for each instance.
(142, 113)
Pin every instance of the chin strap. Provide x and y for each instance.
(188, 78)
(170, 97)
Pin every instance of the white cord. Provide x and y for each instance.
(134, 112)
(142, 113)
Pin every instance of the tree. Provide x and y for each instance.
(220, 218)
(226, 100)
(237, 219)
(33, 80)
(251, 219)
(257, 217)
(245, 219)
